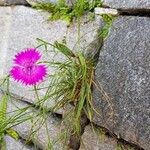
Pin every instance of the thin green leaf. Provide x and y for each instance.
(12, 133)
(64, 49)
(80, 104)
(3, 108)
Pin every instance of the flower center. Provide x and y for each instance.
(29, 69)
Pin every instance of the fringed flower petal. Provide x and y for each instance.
(27, 56)
(26, 70)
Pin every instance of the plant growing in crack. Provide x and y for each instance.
(63, 11)
(71, 84)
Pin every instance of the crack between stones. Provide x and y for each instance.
(26, 101)
(75, 140)
(141, 12)
(29, 144)
(13, 4)
(54, 114)
(108, 133)
(119, 140)
(94, 47)
(134, 12)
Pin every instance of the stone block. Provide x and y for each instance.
(128, 4)
(123, 81)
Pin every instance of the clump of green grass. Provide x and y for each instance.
(71, 84)
(62, 11)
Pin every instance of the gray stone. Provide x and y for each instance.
(22, 26)
(46, 132)
(5, 16)
(12, 144)
(68, 2)
(92, 140)
(123, 81)
(34, 2)
(13, 2)
(140, 4)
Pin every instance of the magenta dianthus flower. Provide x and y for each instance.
(26, 69)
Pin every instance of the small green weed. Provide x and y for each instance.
(62, 11)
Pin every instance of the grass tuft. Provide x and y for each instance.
(71, 84)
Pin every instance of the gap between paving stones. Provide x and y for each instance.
(134, 12)
(14, 2)
(75, 142)
(17, 97)
(123, 12)
(30, 145)
(119, 140)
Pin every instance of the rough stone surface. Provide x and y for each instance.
(13, 2)
(123, 78)
(23, 25)
(47, 132)
(68, 2)
(5, 16)
(12, 144)
(92, 141)
(33, 2)
(140, 4)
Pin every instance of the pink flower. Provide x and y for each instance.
(26, 69)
